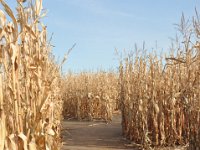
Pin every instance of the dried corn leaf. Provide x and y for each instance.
(10, 13)
(24, 141)
(2, 19)
(13, 142)
(3, 129)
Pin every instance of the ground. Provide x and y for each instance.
(97, 135)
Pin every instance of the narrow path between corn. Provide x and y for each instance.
(96, 135)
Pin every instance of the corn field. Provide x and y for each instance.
(90, 95)
(30, 100)
(159, 97)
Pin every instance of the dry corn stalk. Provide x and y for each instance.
(90, 95)
(30, 104)
(160, 103)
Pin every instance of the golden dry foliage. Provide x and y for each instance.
(161, 103)
(30, 102)
(90, 95)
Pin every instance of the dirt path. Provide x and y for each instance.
(95, 135)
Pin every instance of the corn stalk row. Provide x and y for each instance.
(90, 95)
(160, 98)
(30, 102)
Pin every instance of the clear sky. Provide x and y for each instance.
(99, 26)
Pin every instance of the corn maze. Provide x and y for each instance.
(158, 96)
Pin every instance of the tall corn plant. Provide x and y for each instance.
(89, 95)
(160, 103)
(30, 104)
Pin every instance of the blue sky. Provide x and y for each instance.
(99, 26)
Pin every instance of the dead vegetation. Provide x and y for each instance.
(159, 97)
(90, 95)
(30, 100)
(160, 100)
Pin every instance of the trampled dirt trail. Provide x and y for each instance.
(96, 135)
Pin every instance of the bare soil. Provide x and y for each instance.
(95, 135)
